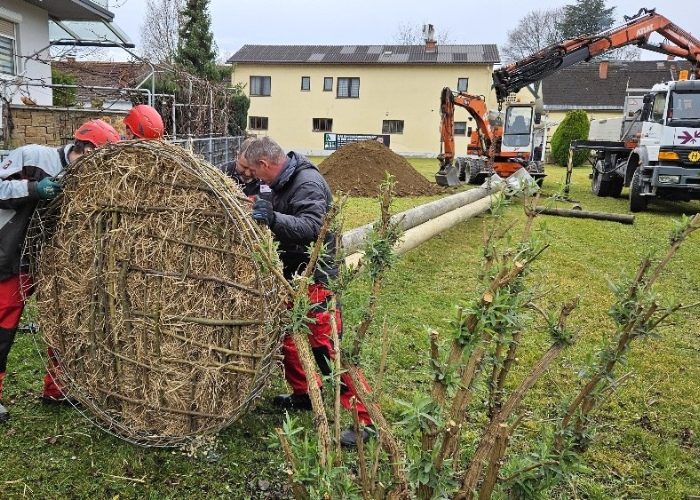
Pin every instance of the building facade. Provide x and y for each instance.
(313, 98)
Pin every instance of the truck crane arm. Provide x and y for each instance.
(636, 30)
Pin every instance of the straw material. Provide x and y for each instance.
(155, 288)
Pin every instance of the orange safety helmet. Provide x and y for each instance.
(97, 132)
(145, 122)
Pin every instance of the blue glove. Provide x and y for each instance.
(47, 188)
(263, 212)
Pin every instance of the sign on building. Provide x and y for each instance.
(337, 141)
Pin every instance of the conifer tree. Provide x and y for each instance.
(196, 50)
(586, 17)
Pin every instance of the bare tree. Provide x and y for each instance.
(159, 31)
(537, 30)
(412, 34)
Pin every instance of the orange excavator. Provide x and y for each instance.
(496, 146)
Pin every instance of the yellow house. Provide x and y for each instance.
(313, 98)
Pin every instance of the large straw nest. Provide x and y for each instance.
(155, 288)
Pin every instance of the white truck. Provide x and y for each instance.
(657, 150)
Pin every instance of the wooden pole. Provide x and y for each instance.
(583, 214)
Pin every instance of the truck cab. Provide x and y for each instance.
(666, 162)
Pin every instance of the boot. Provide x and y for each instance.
(4, 414)
(348, 438)
(292, 401)
(53, 392)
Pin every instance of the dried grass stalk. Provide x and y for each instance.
(155, 286)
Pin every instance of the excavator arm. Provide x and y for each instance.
(476, 107)
(635, 31)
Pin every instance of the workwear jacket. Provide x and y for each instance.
(300, 199)
(19, 174)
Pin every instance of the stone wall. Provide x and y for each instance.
(48, 125)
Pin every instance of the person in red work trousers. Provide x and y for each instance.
(294, 208)
(144, 122)
(27, 175)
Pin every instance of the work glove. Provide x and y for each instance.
(263, 212)
(47, 188)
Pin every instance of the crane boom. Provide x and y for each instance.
(635, 31)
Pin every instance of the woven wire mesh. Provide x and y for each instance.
(155, 289)
(216, 150)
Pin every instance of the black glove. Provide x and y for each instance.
(263, 212)
(47, 188)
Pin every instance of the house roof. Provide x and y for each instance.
(366, 54)
(74, 10)
(114, 75)
(580, 86)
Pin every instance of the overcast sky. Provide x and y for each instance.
(366, 22)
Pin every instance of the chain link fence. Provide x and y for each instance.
(216, 150)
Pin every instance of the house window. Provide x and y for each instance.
(305, 83)
(462, 84)
(328, 84)
(348, 87)
(258, 122)
(260, 85)
(7, 47)
(392, 127)
(322, 124)
(460, 128)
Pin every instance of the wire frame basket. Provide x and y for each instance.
(155, 289)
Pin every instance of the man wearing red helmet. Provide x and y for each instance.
(28, 175)
(144, 122)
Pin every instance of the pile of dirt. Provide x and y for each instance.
(359, 168)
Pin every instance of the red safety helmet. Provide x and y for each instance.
(97, 132)
(145, 122)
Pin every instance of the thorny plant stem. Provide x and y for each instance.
(488, 439)
(377, 396)
(361, 457)
(387, 439)
(494, 465)
(585, 400)
(332, 308)
(377, 280)
(301, 340)
(298, 489)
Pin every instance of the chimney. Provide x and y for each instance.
(429, 37)
(603, 70)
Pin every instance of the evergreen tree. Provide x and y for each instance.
(196, 50)
(586, 17)
(574, 126)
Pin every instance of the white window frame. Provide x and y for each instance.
(262, 85)
(392, 127)
(13, 19)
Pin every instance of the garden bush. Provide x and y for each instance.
(575, 126)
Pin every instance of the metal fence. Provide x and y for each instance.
(216, 150)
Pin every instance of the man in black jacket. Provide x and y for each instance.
(294, 208)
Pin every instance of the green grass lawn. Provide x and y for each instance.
(648, 439)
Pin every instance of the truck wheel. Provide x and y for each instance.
(462, 164)
(599, 187)
(637, 202)
(616, 185)
(474, 171)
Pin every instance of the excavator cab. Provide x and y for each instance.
(517, 133)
